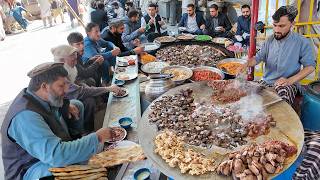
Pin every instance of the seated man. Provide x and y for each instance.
(93, 45)
(93, 69)
(283, 54)
(243, 27)
(153, 23)
(88, 95)
(119, 11)
(114, 35)
(192, 22)
(99, 16)
(34, 134)
(133, 33)
(128, 7)
(218, 24)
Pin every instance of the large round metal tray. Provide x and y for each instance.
(289, 129)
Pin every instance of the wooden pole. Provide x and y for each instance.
(74, 13)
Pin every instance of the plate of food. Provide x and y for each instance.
(222, 40)
(126, 76)
(154, 67)
(122, 93)
(180, 73)
(165, 39)
(118, 134)
(203, 38)
(185, 37)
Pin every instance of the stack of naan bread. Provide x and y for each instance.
(80, 172)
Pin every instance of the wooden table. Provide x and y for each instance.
(128, 106)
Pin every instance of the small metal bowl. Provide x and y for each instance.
(216, 70)
(142, 174)
(188, 71)
(125, 122)
(228, 75)
(119, 82)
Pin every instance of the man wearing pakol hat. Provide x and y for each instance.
(88, 95)
(284, 54)
(34, 133)
(114, 35)
(93, 45)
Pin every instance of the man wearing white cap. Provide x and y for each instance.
(88, 95)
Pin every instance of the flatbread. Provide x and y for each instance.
(118, 156)
(74, 168)
(93, 176)
(74, 173)
(102, 178)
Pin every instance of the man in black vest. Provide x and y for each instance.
(153, 23)
(34, 133)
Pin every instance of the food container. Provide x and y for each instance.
(142, 174)
(158, 84)
(125, 122)
(229, 60)
(119, 82)
(149, 47)
(180, 73)
(207, 68)
(165, 39)
(203, 38)
(119, 133)
(154, 67)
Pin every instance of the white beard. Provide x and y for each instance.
(72, 73)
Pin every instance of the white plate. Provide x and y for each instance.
(126, 76)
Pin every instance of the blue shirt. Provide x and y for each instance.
(33, 134)
(243, 25)
(92, 48)
(283, 58)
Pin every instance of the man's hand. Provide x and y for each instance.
(138, 50)
(161, 23)
(251, 62)
(136, 42)
(151, 21)
(202, 27)
(99, 60)
(222, 29)
(283, 82)
(142, 30)
(104, 134)
(116, 51)
(73, 111)
(114, 88)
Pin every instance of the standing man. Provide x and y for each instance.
(34, 133)
(192, 22)
(93, 45)
(45, 8)
(218, 24)
(75, 6)
(153, 23)
(283, 54)
(114, 35)
(243, 28)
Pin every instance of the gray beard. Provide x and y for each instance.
(55, 101)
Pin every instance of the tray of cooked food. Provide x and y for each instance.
(180, 73)
(205, 73)
(194, 135)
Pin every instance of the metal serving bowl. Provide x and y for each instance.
(213, 69)
(187, 70)
(241, 61)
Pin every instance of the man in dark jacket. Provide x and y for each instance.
(192, 22)
(99, 16)
(114, 33)
(218, 24)
(34, 132)
(243, 28)
(153, 23)
(91, 70)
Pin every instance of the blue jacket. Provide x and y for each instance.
(184, 20)
(243, 25)
(92, 48)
